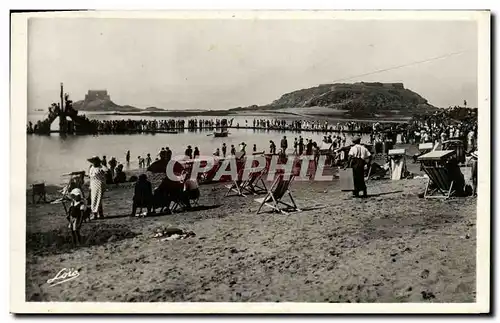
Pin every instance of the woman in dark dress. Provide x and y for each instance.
(143, 194)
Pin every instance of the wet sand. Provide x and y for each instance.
(391, 247)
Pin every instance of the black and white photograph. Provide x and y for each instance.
(287, 158)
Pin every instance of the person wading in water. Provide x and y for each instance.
(358, 157)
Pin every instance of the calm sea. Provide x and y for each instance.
(49, 157)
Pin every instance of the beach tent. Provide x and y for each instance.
(397, 163)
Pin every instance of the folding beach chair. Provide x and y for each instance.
(273, 198)
(76, 180)
(193, 200)
(194, 196)
(376, 172)
(254, 184)
(434, 165)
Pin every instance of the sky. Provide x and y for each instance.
(223, 64)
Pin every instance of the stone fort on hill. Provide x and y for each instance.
(93, 95)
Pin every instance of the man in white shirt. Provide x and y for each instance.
(358, 157)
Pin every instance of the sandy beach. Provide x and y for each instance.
(391, 247)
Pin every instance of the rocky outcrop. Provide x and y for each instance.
(103, 105)
(357, 99)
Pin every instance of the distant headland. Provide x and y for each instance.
(347, 100)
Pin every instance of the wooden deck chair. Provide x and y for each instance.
(274, 196)
(376, 172)
(194, 195)
(256, 184)
(237, 185)
(194, 200)
(76, 180)
(253, 185)
(434, 165)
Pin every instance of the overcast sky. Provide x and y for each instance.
(221, 64)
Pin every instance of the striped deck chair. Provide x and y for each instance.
(274, 196)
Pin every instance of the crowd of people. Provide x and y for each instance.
(143, 125)
(175, 125)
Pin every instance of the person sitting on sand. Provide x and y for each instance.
(143, 194)
(217, 152)
(358, 156)
(191, 188)
(171, 191)
(120, 176)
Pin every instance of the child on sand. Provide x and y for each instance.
(76, 215)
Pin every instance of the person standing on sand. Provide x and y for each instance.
(309, 147)
(358, 156)
(254, 149)
(233, 150)
(196, 152)
(295, 146)
(168, 154)
(284, 145)
(224, 150)
(272, 147)
(301, 145)
(243, 147)
(148, 160)
(189, 152)
(104, 162)
(112, 166)
(127, 157)
(97, 174)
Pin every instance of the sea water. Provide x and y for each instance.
(52, 156)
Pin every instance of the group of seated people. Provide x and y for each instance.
(181, 191)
